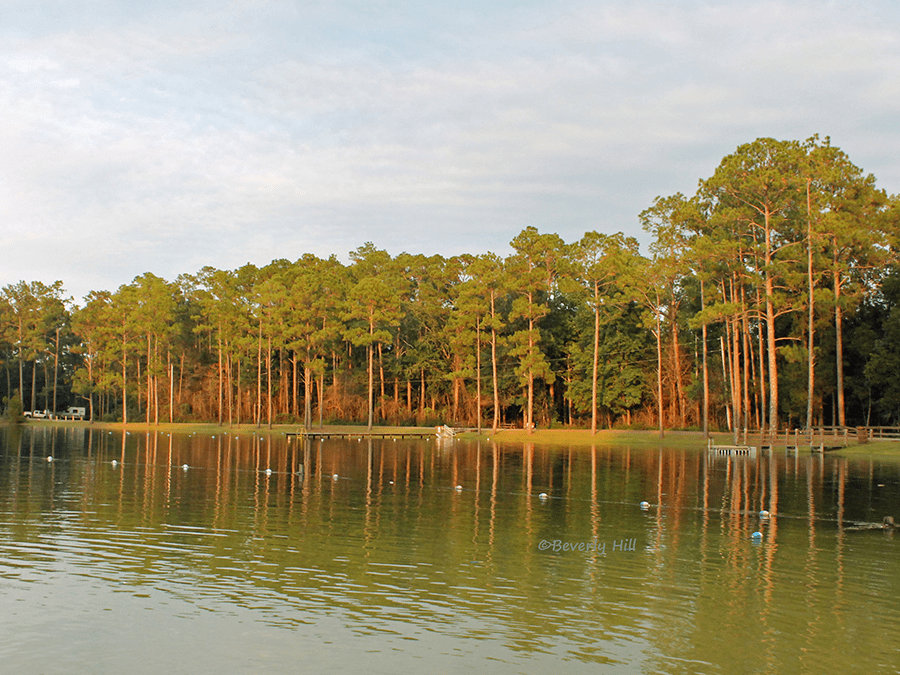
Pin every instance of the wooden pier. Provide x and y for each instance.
(817, 439)
(731, 450)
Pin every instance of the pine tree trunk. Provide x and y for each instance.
(705, 367)
(149, 382)
(124, 385)
(171, 387)
(321, 399)
(422, 394)
(596, 361)
(156, 384)
(811, 330)
(839, 348)
(529, 419)
(259, 377)
(494, 381)
(269, 379)
(478, 374)
(770, 330)
(725, 379)
(381, 380)
(307, 392)
(295, 384)
(55, 368)
(221, 383)
(745, 348)
(659, 382)
(370, 359)
(229, 368)
(679, 387)
(762, 372)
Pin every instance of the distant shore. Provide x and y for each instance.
(557, 437)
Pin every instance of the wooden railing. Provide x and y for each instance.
(885, 433)
(824, 436)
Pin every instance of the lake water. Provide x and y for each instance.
(187, 556)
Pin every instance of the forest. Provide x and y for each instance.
(769, 299)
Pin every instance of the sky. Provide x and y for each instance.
(167, 135)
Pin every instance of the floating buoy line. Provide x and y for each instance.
(764, 516)
(114, 463)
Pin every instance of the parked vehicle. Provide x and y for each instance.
(72, 413)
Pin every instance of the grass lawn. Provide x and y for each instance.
(688, 440)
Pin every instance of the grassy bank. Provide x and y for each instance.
(688, 440)
(877, 449)
(605, 437)
(210, 429)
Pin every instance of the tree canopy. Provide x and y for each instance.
(767, 299)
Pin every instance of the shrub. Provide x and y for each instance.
(14, 409)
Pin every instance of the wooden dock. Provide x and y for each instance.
(816, 439)
(731, 450)
(823, 438)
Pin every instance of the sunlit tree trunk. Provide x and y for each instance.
(705, 366)
(659, 378)
(839, 342)
(723, 350)
(259, 377)
(494, 381)
(321, 400)
(811, 329)
(171, 368)
(269, 379)
(221, 382)
(596, 358)
(307, 392)
(478, 373)
(371, 406)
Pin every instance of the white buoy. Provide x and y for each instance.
(459, 488)
(268, 472)
(543, 496)
(185, 467)
(334, 477)
(757, 535)
(763, 514)
(114, 463)
(391, 482)
(49, 459)
(645, 506)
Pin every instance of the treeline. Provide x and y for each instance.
(769, 298)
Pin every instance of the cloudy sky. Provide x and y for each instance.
(165, 135)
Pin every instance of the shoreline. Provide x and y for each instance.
(581, 438)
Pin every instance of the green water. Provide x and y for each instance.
(399, 556)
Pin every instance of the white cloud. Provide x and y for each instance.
(177, 136)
